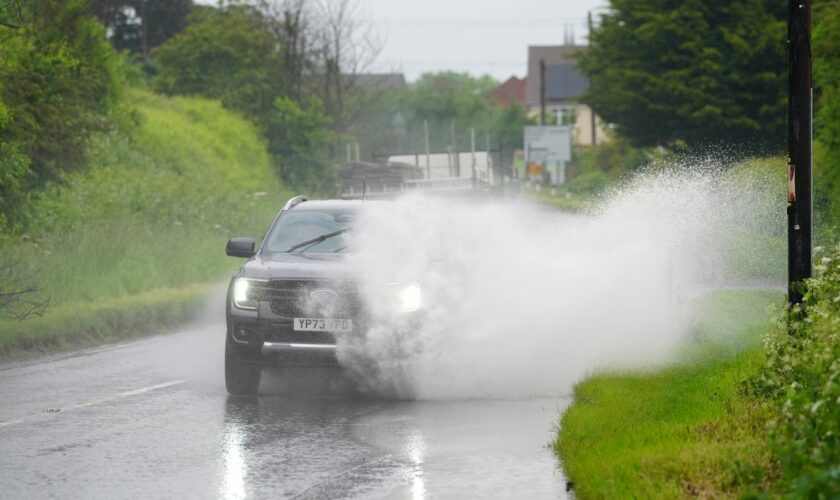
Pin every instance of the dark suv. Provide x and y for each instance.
(297, 292)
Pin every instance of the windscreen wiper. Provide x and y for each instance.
(318, 239)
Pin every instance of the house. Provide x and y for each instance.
(513, 90)
(564, 86)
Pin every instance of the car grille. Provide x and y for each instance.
(310, 298)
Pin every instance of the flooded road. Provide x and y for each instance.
(151, 419)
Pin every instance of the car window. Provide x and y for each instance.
(296, 227)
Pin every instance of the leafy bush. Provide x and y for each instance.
(299, 142)
(802, 377)
(616, 157)
(827, 114)
(227, 54)
(59, 79)
(233, 54)
(590, 182)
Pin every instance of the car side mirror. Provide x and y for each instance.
(241, 247)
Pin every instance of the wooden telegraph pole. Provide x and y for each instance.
(542, 91)
(800, 103)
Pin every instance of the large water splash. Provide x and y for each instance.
(522, 301)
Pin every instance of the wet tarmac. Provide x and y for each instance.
(151, 419)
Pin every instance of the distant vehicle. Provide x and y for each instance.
(298, 292)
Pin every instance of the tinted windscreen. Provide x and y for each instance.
(296, 228)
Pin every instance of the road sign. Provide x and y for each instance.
(548, 144)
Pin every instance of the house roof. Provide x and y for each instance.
(551, 54)
(564, 82)
(513, 90)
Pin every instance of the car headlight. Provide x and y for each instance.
(409, 297)
(243, 296)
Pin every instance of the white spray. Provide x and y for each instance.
(521, 301)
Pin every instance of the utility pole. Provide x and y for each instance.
(800, 119)
(489, 160)
(472, 149)
(542, 91)
(592, 123)
(426, 138)
(452, 148)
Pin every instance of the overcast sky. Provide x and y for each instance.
(476, 36)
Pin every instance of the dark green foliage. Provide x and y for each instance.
(694, 72)
(506, 127)
(236, 55)
(448, 97)
(826, 43)
(11, 13)
(59, 80)
(802, 378)
(141, 25)
(228, 55)
(391, 121)
(616, 157)
(299, 140)
(14, 167)
(379, 124)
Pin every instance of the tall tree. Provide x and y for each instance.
(228, 54)
(699, 72)
(827, 117)
(58, 83)
(255, 60)
(448, 100)
(141, 25)
(346, 47)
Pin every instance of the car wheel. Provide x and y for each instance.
(242, 374)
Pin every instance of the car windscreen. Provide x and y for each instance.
(323, 231)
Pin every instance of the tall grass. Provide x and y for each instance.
(153, 209)
(689, 430)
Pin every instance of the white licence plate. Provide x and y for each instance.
(323, 325)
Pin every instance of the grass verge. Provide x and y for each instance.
(685, 430)
(78, 325)
(562, 200)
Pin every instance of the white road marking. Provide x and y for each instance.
(11, 422)
(93, 402)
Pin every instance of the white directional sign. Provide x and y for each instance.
(548, 144)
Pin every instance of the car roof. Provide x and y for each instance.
(336, 204)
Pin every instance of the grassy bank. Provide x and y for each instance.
(125, 238)
(562, 200)
(689, 429)
(73, 326)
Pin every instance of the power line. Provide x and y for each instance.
(465, 24)
(459, 63)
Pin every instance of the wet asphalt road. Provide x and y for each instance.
(151, 419)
